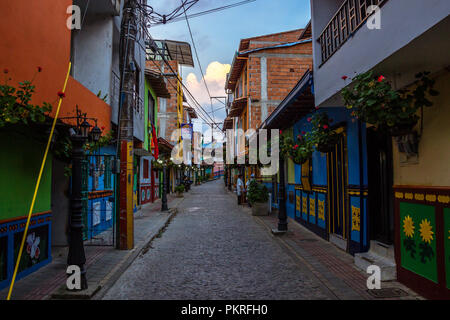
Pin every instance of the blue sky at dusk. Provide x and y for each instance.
(217, 36)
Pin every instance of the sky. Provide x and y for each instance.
(217, 37)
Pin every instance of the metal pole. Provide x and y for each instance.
(164, 191)
(282, 217)
(76, 254)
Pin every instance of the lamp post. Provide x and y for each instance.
(282, 217)
(79, 136)
(164, 206)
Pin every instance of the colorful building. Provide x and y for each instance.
(39, 48)
(402, 201)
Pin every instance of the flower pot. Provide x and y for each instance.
(260, 208)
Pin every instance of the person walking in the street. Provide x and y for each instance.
(239, 189)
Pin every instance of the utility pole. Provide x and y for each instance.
(129, 31)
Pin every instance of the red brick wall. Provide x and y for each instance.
(283, 73)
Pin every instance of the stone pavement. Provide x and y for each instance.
(332, 266)
(104, 263)
(215, 250)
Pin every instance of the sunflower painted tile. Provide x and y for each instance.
(418, 239)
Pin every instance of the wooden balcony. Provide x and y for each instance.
(351, 15)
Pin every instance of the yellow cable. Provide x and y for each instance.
(37, 186)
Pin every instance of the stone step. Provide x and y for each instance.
(387, 266)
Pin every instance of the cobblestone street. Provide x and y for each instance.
(214, 250)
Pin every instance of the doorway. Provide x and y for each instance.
(337, 181)
(380, 178)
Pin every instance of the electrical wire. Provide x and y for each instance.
(198, 14)
(197, 56)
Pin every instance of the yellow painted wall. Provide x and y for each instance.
(433, 166)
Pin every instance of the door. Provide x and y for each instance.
(380, 176)
(337, 181)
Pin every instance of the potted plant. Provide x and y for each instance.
(374, 101)
(179, 190)
(258, 196)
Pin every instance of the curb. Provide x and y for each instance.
(96, 290)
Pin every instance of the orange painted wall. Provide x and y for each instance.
(34, 33)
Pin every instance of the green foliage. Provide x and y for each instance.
(374, 101)
(180, 189)
(62, 148)
(99, 95)
(104, 140)
(321, 135)
(299, 151)
(257, 192)
(15, 105)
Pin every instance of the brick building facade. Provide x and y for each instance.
(263, 72)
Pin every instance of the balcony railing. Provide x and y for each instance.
(348, 19)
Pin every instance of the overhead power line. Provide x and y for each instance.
(199, 14)
(197, 56)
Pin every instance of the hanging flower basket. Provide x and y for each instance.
(374, 101)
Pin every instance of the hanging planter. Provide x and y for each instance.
(374, 101)
(322, 136)
(299, 152)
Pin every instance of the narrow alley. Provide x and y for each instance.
(215, 250)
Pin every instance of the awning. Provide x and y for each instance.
(164, 146)
(297, 104)
(191, 112)
(237, 107)
(157, 83)
(228, 123)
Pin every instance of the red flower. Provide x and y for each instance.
(39, 69)
(5, 71)
(344, 78)
(303, 132)
(309, 119)
(103, 128)
(61, 94)
(381, 78)
(317, 107)
(325, 126)
(281, 132)
(296, 146)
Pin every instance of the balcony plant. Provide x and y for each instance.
(258, 196)
(374, 101)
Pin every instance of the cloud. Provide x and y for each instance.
(215, 79)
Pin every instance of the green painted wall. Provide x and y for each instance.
(155, 112)
(20, 160)
(418, 244)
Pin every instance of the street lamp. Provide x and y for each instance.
(79, 136)
(96, 133)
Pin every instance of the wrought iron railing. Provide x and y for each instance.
(348, 19)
